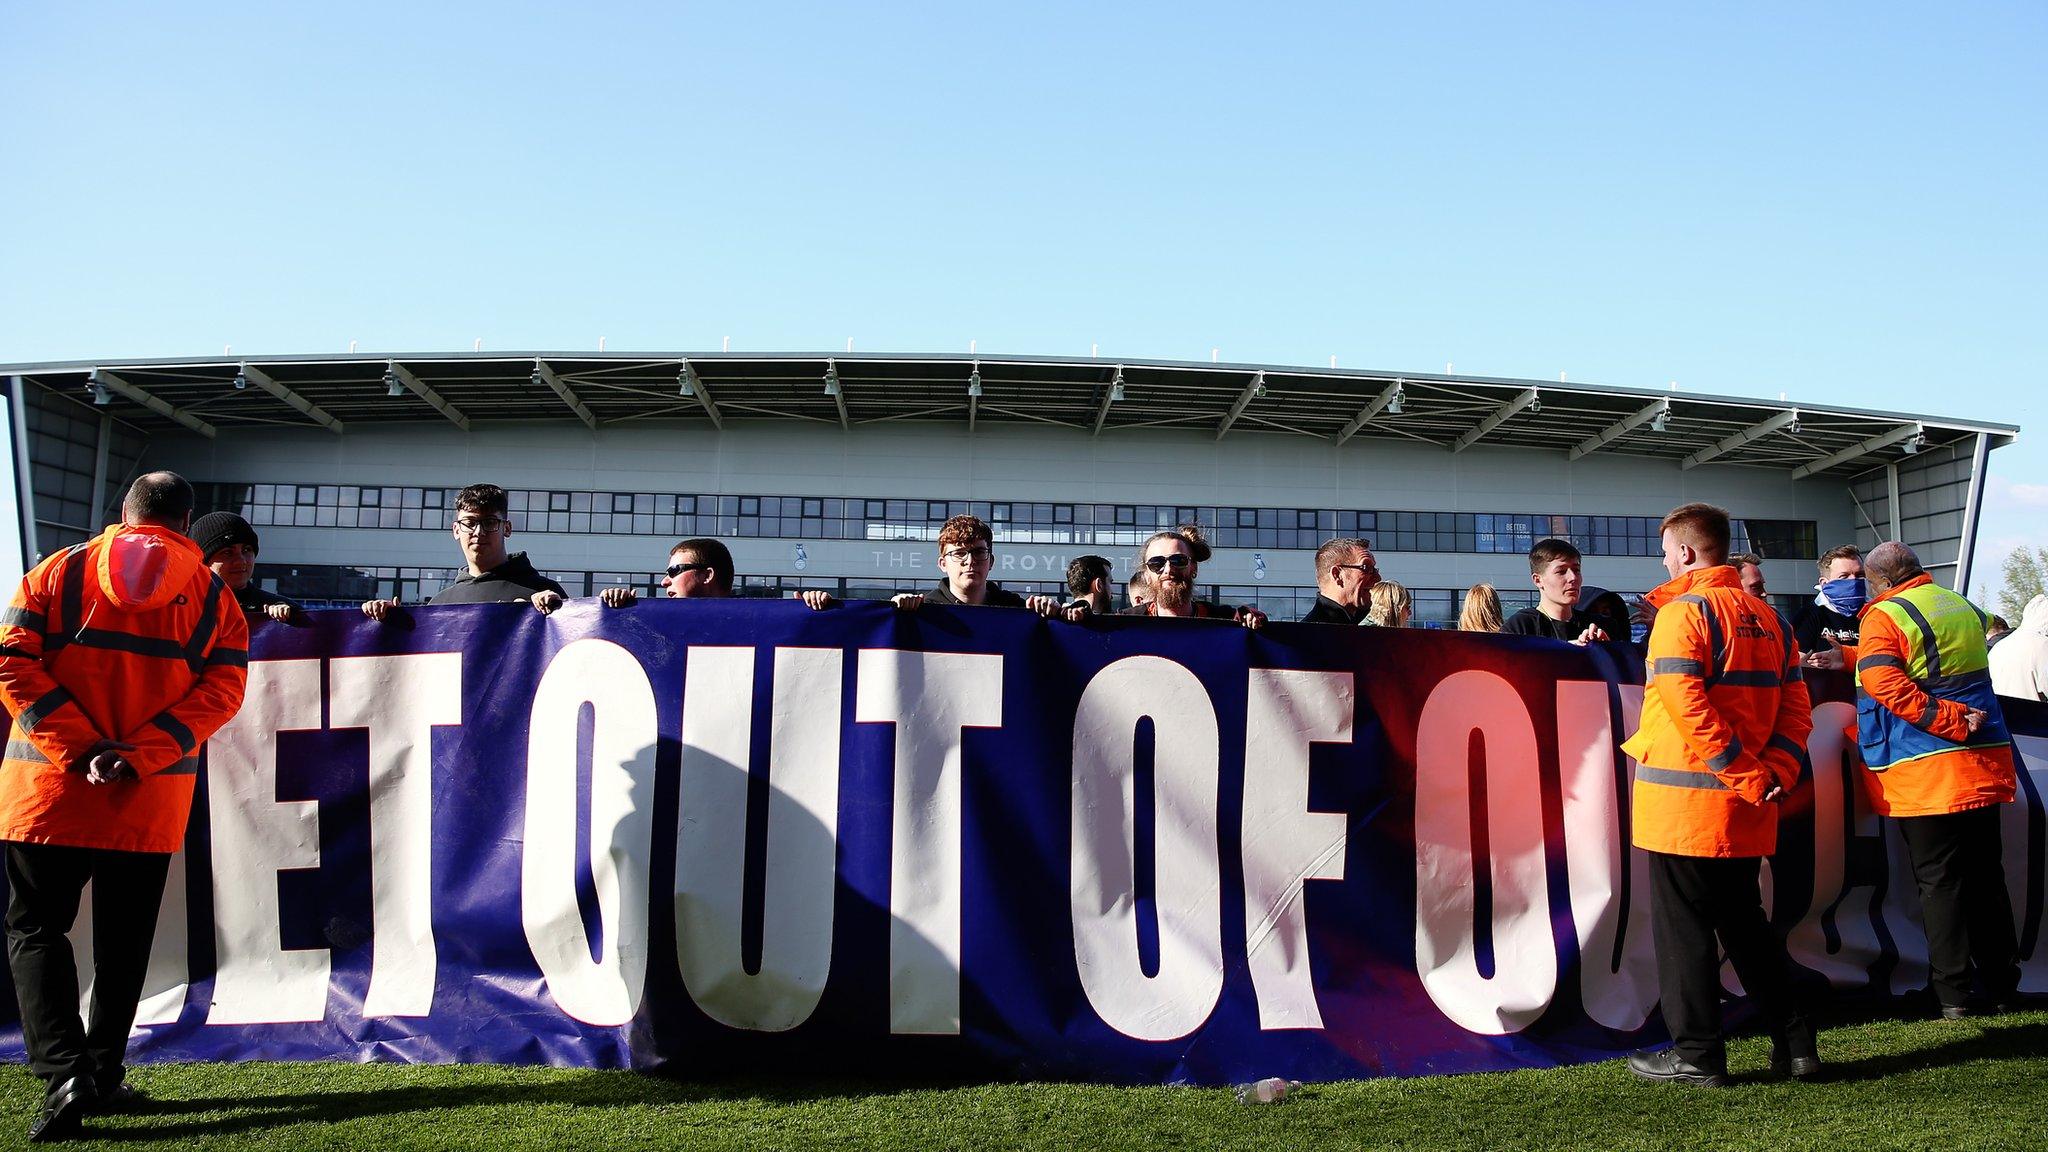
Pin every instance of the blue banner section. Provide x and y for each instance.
(709, 834)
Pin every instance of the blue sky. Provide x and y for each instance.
(1837, 202)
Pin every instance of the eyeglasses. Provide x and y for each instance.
(480, 527)
(675, 570)
(1177, 561)
(1370, 569)
(969, 555)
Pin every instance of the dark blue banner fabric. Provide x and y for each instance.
(712, 834)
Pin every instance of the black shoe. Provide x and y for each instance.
(1803, 1066)
(122, 1097)
(63, 1110)
(1668, 1067)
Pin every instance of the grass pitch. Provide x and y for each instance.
(1907, 1085)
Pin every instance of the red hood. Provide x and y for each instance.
(143, 566)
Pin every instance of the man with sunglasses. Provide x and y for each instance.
(1171, 560)
(496, 575)
(698, 569)
(1345, 574)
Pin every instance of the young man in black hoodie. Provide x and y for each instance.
(230, 547)
(483, 530)
(966, 552)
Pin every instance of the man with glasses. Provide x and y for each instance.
(483, 530)
(697, 570)
(1345, 574)
(1171, 560)
(966, 551)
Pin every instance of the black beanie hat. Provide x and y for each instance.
(216, 530)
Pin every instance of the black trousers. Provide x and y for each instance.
(1964, 906)
(1694, 900)
(43, 886)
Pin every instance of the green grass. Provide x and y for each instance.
(1923, 1084)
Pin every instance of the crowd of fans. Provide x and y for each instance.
(120, 656)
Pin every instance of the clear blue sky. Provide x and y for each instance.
(1842, 203)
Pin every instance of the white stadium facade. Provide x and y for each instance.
(836, 471)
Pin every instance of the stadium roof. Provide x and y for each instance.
(215, 397)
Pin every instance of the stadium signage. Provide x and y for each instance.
(1118, 850)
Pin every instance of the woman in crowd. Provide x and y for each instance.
(1482, 610)
(1391, 605)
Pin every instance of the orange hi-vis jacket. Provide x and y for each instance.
(125, 637)
(1921, 666)
(1725, 719)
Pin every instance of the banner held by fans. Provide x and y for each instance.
(730, 833)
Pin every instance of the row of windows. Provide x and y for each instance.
(672, 515)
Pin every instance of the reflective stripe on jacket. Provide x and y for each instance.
(126, 637)
(1725, 719)
(1920, 668)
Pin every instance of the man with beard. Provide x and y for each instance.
(1171, 559)
(1088, 582)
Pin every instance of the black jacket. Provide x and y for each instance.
(1532, 622)
(515, 579)
(1328, 611)
(254, 600)
(994, 597)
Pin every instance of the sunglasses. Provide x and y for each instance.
(1177, 561)
(675, 570)
(1369, 568)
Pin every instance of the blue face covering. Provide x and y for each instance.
(1846, 595)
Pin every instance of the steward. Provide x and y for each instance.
(118, 658)
(1941, 762)
(1724, 726)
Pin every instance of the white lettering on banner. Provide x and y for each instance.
(1286, 844)
(1524, 957)
(1617, 964)
(930, 698)
(1187, 875)
(1847, 960)
(802, 830)
(400, 700)
(256, 980)
(605, 991)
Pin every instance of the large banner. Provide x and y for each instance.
(714, 834)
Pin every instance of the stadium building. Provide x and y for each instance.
(836, 471)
